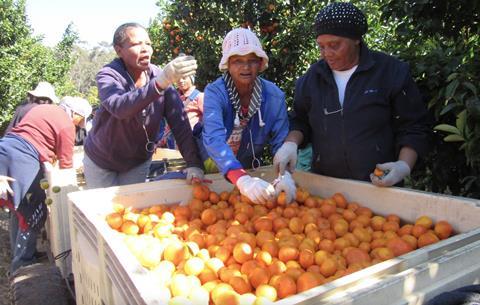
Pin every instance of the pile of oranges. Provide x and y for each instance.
(222, 249)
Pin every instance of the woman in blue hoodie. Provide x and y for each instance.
(242, 113)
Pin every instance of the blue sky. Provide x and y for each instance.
(94, 20)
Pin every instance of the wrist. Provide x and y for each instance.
(235, 174)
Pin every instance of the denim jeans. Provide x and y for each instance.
(97, 177)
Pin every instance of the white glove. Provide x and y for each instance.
(285, 183)
(286, 155)
(256, 189)
(5, 188)
(194, 173)
(395, 172)
(181, 66)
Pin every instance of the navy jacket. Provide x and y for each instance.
(117, 139)
(382, 112)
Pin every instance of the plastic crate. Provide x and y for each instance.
(57, 227)
(120, 279)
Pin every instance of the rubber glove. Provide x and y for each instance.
(396, 172)
(179, 67)
(286, 184)
(5, 188)
(256, 189)
(285, 156)
(193, 173)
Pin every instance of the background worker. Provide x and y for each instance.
(44, 93)
(45, 134)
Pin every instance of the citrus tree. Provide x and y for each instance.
(440, 40)
(24, 61)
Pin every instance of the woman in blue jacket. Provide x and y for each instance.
(242, 113)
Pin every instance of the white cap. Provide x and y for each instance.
(241, 42)
(77, 104)
(45, 89)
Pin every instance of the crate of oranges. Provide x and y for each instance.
(170, 243)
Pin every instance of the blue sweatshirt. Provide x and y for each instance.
(117, 139)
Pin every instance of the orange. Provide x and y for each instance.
(180, 285)
(193, 266)
(377, 222)
(427, 239)
(390, 226)
(277, 267)
(266, 291)
(289, 212)
(258, 276)
(287, 253)
(249, 266)
(424, 221)
(340, 227)
(364, 211)
(306, 258)
(271, 247)
(201, 192)
(418, 230)
(209, 216)
(175, 252)
(310, 202)
(393, 217)
(223, 294)
(326, 245)
(296, 225)
(443, 229)
(378, 172)
(285, 286)
(382, 253)
(340, 200)
(399, 246)
(263, 224)
(356, 255)
(214, 198)
(129, 227)
(225, 274)
(349, 215)
(405, 230)
(240, 285)
(412, 240)
(328, 209)
(242, 252)
(114, 220)
(328, 267)
(223, 253)
(207, 275)
(307, 280)
(241, 217)
(280, 223)
(264, 257)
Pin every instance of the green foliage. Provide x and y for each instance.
(198, 28)
(441, 40)
(24, 61)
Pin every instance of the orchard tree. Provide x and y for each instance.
(441, 40)
(24, 61)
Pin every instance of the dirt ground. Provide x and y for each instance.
(4, 259)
